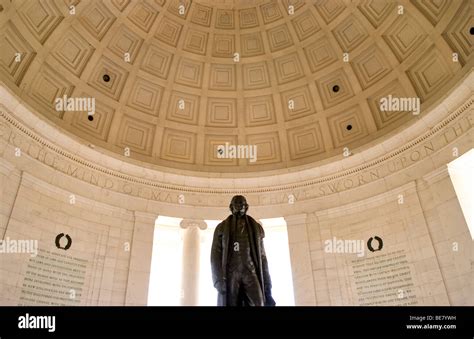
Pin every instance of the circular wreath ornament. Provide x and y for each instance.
(380, 244)
(58, 241)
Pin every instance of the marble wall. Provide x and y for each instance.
(420, 215)
(398, 219)
(101, 239)
(451, 239)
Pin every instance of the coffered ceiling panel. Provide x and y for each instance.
(173, 80)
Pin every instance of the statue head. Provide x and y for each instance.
(238, 205)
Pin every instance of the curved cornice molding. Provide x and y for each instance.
(430, 125)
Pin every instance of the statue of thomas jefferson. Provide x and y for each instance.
(238, 261)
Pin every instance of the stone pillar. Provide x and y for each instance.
(300, 260)
(10, 179)
(191, 256)
(316, 237)
(140, 259)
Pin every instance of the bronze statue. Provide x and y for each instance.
(239, 264)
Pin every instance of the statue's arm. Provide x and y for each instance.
(216, 256)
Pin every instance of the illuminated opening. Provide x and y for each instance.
(166, 264)
(278, 256)
(461, 173)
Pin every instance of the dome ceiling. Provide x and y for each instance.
(169, 87)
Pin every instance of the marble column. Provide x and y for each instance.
(140, 259)
(300, 260)
(10, 179)
(191, 256)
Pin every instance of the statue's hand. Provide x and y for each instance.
(221, 286)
